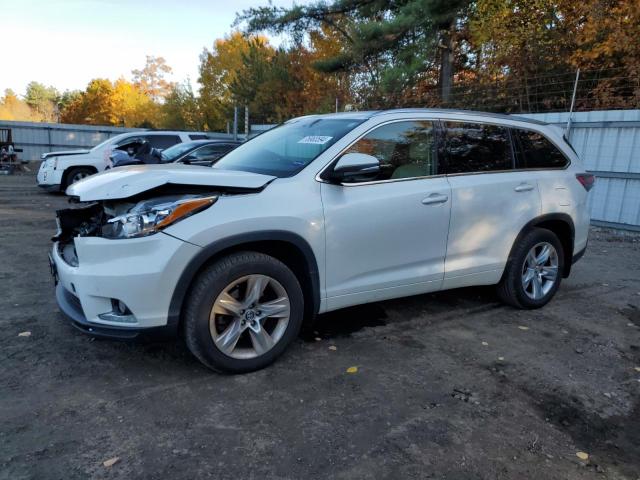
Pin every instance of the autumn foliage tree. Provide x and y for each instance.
(499, 55)
(119, 103)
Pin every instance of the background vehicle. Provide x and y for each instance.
(58, 170)
(319, 214)
(197, 152)
(8, 152)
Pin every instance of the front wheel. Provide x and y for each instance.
(77, 174)
(534, 270)
(242, 312)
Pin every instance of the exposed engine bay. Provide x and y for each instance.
(137, 216)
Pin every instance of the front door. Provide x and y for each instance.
(386, 237)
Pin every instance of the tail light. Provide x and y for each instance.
(587, 180)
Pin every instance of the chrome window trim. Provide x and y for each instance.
(443, 121)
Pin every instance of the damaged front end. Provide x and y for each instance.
(135, 217)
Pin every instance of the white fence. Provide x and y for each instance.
(38, 138)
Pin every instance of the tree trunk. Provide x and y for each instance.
(446, 66)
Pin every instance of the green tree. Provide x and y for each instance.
(180, 110)
(219, 69)
(42, 100)
(387, 46)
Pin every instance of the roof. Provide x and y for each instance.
(501, 116)
(374, 113)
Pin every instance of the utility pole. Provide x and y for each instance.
(235, 123)
(246, 123)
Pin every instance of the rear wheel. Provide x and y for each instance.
(242, 312)
(534, 271)
(77, 174)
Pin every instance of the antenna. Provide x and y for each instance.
(567, 132)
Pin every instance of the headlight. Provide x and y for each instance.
(151, 216)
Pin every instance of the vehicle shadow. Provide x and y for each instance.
(344, 322)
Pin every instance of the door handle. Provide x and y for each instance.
(435, 198)
(524, 187)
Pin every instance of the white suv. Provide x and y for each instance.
(318, 214)
(58, 170)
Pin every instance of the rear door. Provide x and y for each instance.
(386, 237)
(491, 201)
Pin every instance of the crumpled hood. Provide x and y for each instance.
(123, 182)
(64, 153)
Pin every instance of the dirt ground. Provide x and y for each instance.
(449, 386)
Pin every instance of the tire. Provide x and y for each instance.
(75, 175)
(514, 289)
(207, 330)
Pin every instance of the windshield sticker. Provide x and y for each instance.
(315, 139)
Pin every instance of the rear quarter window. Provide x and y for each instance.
(536, 151)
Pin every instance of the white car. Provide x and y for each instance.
(58, 170)
(321, 213)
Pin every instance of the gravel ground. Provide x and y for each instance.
(450, 385)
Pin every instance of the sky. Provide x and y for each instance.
(66, 43)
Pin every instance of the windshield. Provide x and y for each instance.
(109, 140)
(171, 153)
(287, 149)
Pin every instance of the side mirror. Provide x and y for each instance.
(355, 166)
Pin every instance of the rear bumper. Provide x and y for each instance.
(70, 305)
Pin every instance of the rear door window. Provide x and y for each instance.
(536, 151)
(163, 141)
(477, 147)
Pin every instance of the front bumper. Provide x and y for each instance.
(141, 272)
(71, 307)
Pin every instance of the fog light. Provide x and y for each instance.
(120, 307)
(120, 313)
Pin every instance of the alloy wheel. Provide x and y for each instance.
(540, 270)
(79, 176)
(250, 316)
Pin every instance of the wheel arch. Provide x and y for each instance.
(559, 223)
(290, 248)
(65, 173)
